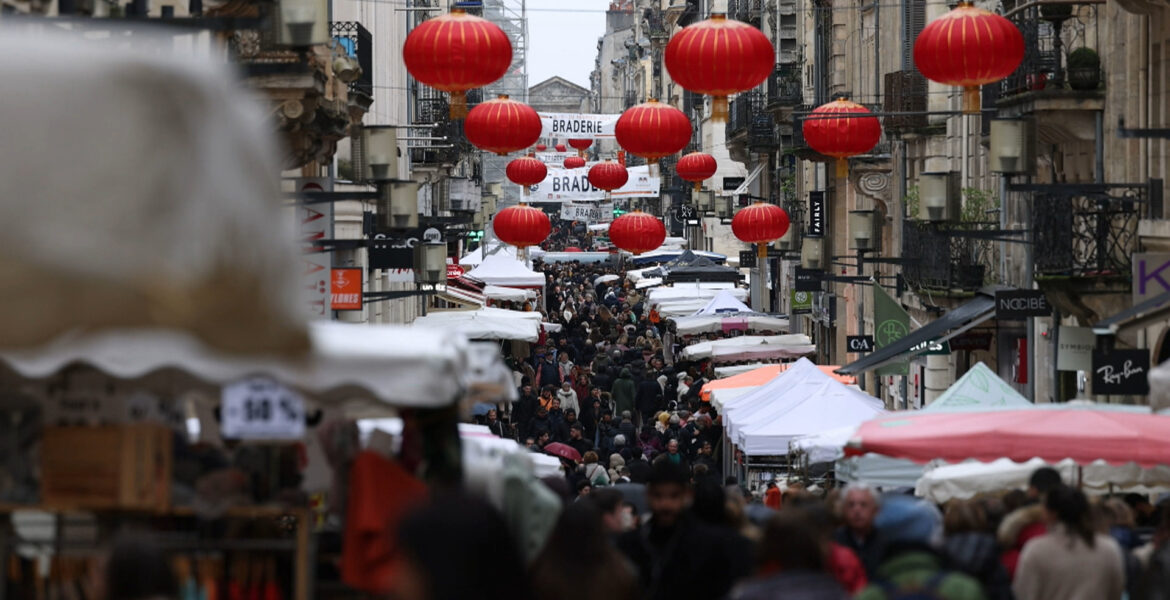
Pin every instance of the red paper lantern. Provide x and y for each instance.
(541, 147)
(653, 130)
(844, 136)
(574, 162)
(502, 125)
(637, 232)
(561, 148)
(608, 176)
(521, 225)
(719, 57)
(526, 171)
(696, 167)
(581, 146)
(457, 52)
(969, 47)
(760, 223)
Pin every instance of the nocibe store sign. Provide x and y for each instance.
(1021, 304)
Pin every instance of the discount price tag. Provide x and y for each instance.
(259, 408)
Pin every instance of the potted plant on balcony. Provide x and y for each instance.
(1084, 69)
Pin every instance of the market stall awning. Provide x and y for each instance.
(975, 311)
(1081, 434)
(485, 324)
(507, 294)
(1152, 309)
(151, 200)
(967, 480)
(751, 347)
(461, 296)
(762, 375)
(505, 270)
(395, 365)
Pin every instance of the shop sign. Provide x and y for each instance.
(395, 255)
(1151, 275)
(892, 324)
(816, 214)
(1122, 372)
(971, 340)
(315, 222)
(577, 126)
(802, 303)
(346, 288)
(1074, 349)
(931, 347)
(259, 408)
(455, 271)
(747, 259)
(1017, 305)
(859, 343)
(808, 280)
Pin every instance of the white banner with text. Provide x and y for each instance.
(570, 185)
(576, 126)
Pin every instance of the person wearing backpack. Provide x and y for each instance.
(912, 567)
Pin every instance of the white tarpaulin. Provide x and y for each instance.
(729, 322)
(563, 185)
(473, 258)
(722, 303)
(507, 294)
(486, 324)
(800, 401)
(397, 365)
(751, 347)
(505, 270)
(570, 126)
(702, 292)
(967, 480)
(588, 213)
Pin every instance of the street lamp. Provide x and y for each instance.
(861, 229)
(399, 204)
(789, 242)
(1008, 146)
(380, 150)
(303, 23)
(704, 201)
(430, 263)
(811, 253)
(938, 195)
(725, 207)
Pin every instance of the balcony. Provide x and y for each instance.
(960, 270)
(785, 89)
(749, 123)
(359, 45)
(1089, 233)
(905, 93)
(654, 22)
(748, 11)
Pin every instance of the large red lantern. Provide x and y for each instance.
(541, 147)
(637, 232)
(502, 125)
(608, 176)
(457, 52)
(574, 162)
(581, 146)
(696, 167)
(850, 134)
(653, 130)
(968, 47)
(561, 148)
(719, 57)
(526, 171)
(760, 224)
(521, 225)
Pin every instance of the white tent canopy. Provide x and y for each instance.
(721, 372)
(800, 401)
(475, 257)
(751, 347)
(725, 312)
(396, 365)
(507, 294)
(486, 323)
(690, 292)
(505, 270)
(721, 303)
(966, 480)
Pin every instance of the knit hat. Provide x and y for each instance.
(907, 519)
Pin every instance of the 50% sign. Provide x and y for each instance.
(260, 408)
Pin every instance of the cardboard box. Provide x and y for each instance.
(109, 467)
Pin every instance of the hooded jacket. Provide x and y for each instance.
(1017, 529)
(624, 391)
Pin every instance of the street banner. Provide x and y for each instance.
(315, 222)
(893, 324)
(571, 185)
(554, 159)
(587, 213)
(577, 126)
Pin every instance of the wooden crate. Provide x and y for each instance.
(108, 467)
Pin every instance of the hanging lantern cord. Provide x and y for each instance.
(971, 100)
(458, 108)
(719, 109)
(842, 167)
(698, 186)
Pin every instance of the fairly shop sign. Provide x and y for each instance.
(577, 127)
(571, 185)
(587, 213)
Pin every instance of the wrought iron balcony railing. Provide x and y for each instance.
(905, 92)
(785, 87)
(359, 44)
(959, 269)
(1086, 234)
(747, 115)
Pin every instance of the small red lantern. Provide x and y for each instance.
(561, 148)
(574, 162)
(844, 136)
(526, 171)
(653, 130)
(521, 225)
(457, 52)
(502, 125)
(969, 47)
(541, 147)
(696, 167)
(760, 224)
(581, 146)
(719, 57)
(608, 176)
(637, 232)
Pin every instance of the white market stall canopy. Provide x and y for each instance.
(507, 294)
(86, 245)
(751, 347)
(665, 254)
(395, 365)
(724, 313)
(700, 293)
(801, 401)
(505, 270)
(485, 324)
(969, 479)
(475, 257)
(731, 371)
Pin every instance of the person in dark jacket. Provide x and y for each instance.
(547, 372)
(677, 555)
(627, 428)
(540, 424)
(971, 548)
(791, 564)
(859, 507)
(524, 409)
(624, 392)
(649, 398)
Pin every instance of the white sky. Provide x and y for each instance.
(562, 38)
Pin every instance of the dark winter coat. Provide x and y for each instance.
(624, 392)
